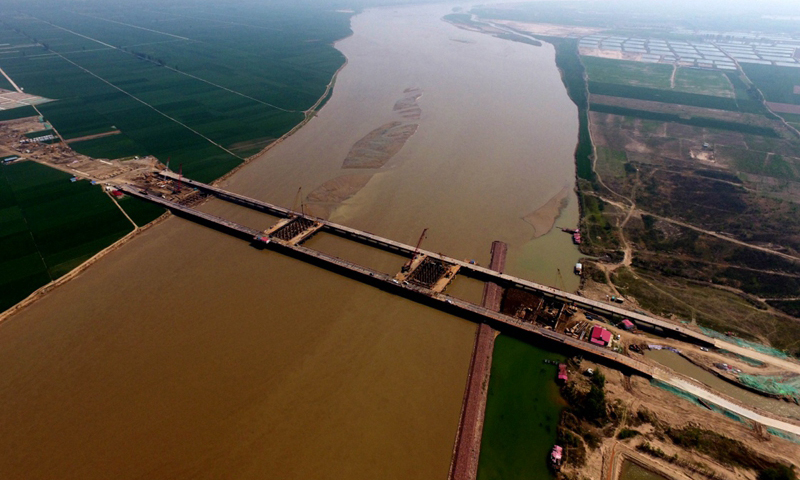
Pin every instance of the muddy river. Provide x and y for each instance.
(189, 354)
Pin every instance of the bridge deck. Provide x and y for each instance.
(467, 268)
(464, 308)
(444, 302)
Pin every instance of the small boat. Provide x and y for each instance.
(576, 237)
(562, 373)
(555, 456)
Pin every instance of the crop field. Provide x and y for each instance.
(759, 163)
(205, 86)
(624, 72)
(747, 99)
(141, 212)
(703, 82)
(610, 162)
(693, 121)
(666, 96)
(48, 226)
(112, 147)
(4, 84)
(14, 113)
(792, 118)
(693, 87)
(776, 83)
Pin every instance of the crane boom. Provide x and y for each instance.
(407, 265)
(419, 242)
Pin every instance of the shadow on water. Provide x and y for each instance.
(522, 412)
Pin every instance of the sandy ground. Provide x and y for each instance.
(371, 152)
(635, 392)
(10, 99)
(380, 145)
(611, 54)
(544, 218)
(549, 29)
(92, 137)
(339, 189)
(60, 156)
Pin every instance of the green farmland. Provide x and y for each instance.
(703, 82)
(205, 87)
(49, 225)
(624, 72)
(653, 82)
(776, 83)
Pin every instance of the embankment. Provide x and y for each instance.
(466, 451)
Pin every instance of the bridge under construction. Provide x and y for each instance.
(282, 232)
(425, 276)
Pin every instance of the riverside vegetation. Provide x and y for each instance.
(689, 182)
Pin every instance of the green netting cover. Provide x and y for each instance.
(788, 386)
(744, 343)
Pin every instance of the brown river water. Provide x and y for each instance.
(189, 354)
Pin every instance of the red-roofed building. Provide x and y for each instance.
(600, 336)
(627, 325)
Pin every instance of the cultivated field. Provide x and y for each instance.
(49, 225)
(201, 87)
(204, 87)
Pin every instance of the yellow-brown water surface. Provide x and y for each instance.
(189, 354)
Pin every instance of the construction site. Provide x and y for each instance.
(602, 332)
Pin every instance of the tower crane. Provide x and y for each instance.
(178, 184)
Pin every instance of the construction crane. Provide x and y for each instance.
(178, 184)
(407, 265)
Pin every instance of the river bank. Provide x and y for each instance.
(263, 366)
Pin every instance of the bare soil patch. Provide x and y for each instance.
(549, 29)
(92, 137)
(784, 107)
(339, 189)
